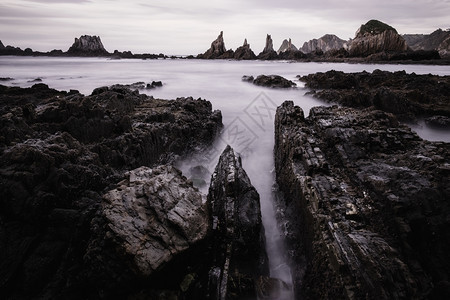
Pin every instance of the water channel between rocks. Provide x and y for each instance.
(248, 111)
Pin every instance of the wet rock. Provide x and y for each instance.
(273, 81)
(239, 254)
(87, 45)
(408, 96)
(438, 121)
(365, 207)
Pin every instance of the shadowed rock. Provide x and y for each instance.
(217, 50)
(87, 45)
(268, 53)
(273, 81)
(287, 46)
(326, 43)
(244, 52)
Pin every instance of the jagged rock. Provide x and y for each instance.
(287, 46)
(217, 50)
(153, 216)
(408, 96)
(239, 254)
(268, 53)
(438, 121)
(244, 52)
(273, 81)
(247, 78)
(1, 45)
(375, 37)
(427, 42)
(87, 45)
(58, 152)
(367, 204)
(326, 43)
(444, 47)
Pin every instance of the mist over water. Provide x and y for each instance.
(248, 111)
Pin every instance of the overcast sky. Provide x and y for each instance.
(189, 27)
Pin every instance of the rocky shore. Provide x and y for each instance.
(408, 96)
(366, 205)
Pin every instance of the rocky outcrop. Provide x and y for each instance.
(244, 52)
(1, 45)
(268, 53)
(426, 42)
(375, 37)
(287, 46)
(366, 204)
(271, 81)
(408, 96)
(217, 50)
(59, 152)
(239, 256)
(87, 45)
(326, 43)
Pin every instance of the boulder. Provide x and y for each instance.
(239, 256)
(326, 43)
(273, 81)
(366, 202)
(87, 45)
(217, 50)
(244, 52)
(375, 37)
(268, 53)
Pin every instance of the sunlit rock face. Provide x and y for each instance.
(374, 37)
(87, 45)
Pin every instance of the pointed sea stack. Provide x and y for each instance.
(1, 45)
(376, 37)
(325, 43)
(87, 45)
(217, 50)
(286, 46)
(268, 53)
(244, 52)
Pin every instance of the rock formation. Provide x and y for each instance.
(375, 37)
(1, 45)
(287, 46)
(271, 81)
(268, 53)
(325, 43)
(87, 45)
(239, 254)
(426, 41)
(217, 50)
(367, 204)
(59, 152)
(408, 96)
(244, 52)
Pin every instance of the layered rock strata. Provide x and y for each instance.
(408, 96)
(367, 204)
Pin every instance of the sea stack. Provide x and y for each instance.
(1, 45)
(268, 53)
(217, 50)
(325, 43)
(286, 46)
(244, 52)
(87, 45)
(375, 37)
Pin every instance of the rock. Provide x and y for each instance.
(408, 96)
(432, 41)
(87, 45)
(1, 45)
(376, 37)
(287, 46)
(268, 53)
(366, 209)
(438, 121)
(153, 216)
(217, 50)
(244, 52)
(247, 78)
(273, 81)
(326, 43)
(238, 234)
(59, 153)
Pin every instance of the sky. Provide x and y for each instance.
(188, 27)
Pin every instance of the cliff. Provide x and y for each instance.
(87, 45)
(438, 40)
(325, 43)
(376, 37)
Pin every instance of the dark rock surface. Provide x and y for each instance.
(59, 152)
(375, 37)
(239, 256)
(1, 45)
(272, 81)
(287, 45)
(244, 52)
(408, 96)
(87, 45)
(437, 40)
(367, 205)
(268, 53)
(217, 50)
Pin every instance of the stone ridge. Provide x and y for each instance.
(366, 204)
